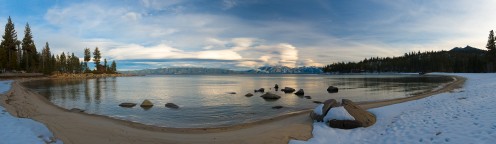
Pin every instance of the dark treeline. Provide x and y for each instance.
(22, 56)
(468, 59)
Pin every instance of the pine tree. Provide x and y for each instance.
(490, 42)
(29, 56)
(96, 58)
(46, 63)
(87, 58)
(113, 67)
(491, 54)
(105, 66)
(62, 63)
(9, 46)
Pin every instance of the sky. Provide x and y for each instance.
(246, 34)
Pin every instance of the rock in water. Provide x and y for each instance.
(171, 105)
(231, 93)
(128, 105)
(276, 107)
(276, 87)
(308, 97)
(288, 90)
(146, 104)
(300, 92)
(332, 89)
(249, 94)
(260, 90)
(362, 116)
(269, 95)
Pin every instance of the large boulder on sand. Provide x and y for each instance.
(328, 104)
(269, 95)
(300, 92)
(146, 104)
(288, 90)
(362, 116)
(171, 105)
(332, 89)
(128, 105)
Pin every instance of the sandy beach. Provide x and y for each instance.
(77, 127)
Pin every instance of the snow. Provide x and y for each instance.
(15, 130)
(338, 113)
(465, 115)
(318, 109)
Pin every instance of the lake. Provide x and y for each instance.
(204, 100)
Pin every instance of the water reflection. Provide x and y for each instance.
(205, 98)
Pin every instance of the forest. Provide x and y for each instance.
(22, 56)
(458, 60)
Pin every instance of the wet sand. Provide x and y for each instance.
(81, 128)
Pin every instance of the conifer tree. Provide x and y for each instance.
(491, 54)
(96, 58)
(113, 67)
(29, 56)
(87, 58)
(9, 47)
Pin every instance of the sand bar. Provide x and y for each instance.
(79, 128)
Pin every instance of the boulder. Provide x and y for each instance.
(362, 116)
(328, 104)
(276, 87)
(269, 95)
(128, 105)
(288, 90)
(260, 90)
(332, 89)
(308, 97)
(276, 107)
(249, 94)
(171, 105)
(300, 92)
(146, 104)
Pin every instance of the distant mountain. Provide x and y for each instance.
(468, 49)
(286, 70)
(182, 70)
(197, 70)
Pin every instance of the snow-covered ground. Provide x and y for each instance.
(466, 115)
(15, 130)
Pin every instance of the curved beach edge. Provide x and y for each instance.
(77, 127)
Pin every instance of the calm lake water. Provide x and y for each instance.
(204, 100)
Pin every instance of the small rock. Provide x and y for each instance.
(276, 107)
(332, 89)
(231, 93)
(76, 110)
(146, 104)
(308, 97)
(269, 95)
(288, 90)
(171, 105)
(276, 86)
(317, 102)
(128, 105)
(300, 92)
(249, 94)
(344, 124)
(260, 90)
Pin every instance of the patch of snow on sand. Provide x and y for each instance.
(466, 115)
(15, 130)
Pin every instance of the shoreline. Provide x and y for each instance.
(76, 127)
